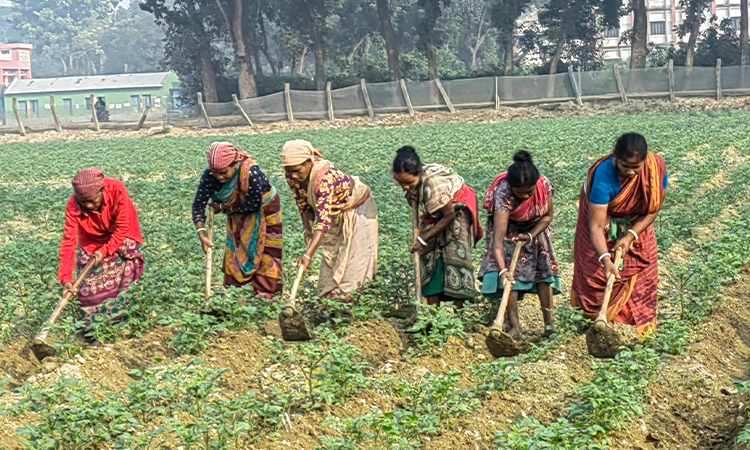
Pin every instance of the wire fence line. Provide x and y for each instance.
(407, 97)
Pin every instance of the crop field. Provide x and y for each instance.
(189, 373)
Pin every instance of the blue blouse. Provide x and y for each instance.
(606, 185)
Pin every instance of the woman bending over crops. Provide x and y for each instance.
(236, 186)
(519, 207)
(449, 219)
(337, 212)
(101, 224)
(622, 196)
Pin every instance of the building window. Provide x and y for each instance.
(24, 56)
(35, 107)
(134, 100)
(736, 23)
(612, 33)
(68, 105)
(658, 28)
(5, 55)
(147, 100)
(23, 108)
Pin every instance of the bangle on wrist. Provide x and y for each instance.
(531, 238)
(200, 229)
(502, 272)
(635, 235)
(421, 241)
(604, 255)
(304, 255)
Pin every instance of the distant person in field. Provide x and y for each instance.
(339, 213)
(619, 202)
(101, 224)
(519, 207)
(448, 222)
(234, 185)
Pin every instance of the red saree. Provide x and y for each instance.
(634, 296)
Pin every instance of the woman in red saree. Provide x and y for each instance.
(101, 224)
(622, 196)
(519, 207)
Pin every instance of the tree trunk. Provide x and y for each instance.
(264, 46)
(744, 33)
(431, 60)
(694, 19)
(391, 45)
(350, 58)
(245, 74)
(208, 78)
(553, 67)
(320, 59)
(252, 35)
(299, 65)
(474, 49)
(65, 65)
(639, 40)
(509, 56)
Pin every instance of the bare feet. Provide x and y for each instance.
(515, 333)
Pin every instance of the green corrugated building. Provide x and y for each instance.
(125, 96)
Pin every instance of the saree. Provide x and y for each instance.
(350, 247)
(101, 293)
(446, 263)
(537, 262)
(254, 243)
(634, 296)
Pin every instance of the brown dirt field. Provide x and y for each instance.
(694, 405)
(592, 109)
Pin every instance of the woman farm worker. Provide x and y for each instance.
(101, 223)
(448, 222)
(622, 196)
(519, 207)
(240, 189)
(338, 212)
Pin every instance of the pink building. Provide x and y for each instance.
(15, 62)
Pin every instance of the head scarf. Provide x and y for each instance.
(298, 152)
(222, 154)
(88, 183)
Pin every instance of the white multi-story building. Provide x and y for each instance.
(664, 16)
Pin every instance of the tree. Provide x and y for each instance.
(389, 36)
(692, 25)
(132, 29)
(188, 45)
(504, 14)
(310, 19)
(745, 47)
(55, 27)
(639, 35)
(467, 25)
(233, 13)
(430, 37)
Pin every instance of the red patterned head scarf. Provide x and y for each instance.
(88, 183)
(223, 154)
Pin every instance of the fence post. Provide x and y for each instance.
(288, 103)
(671, 81)
(242, 111)
(92, 103)
(203, 110)
(577, 93)
(719, 94)
(620, 86)
(445, 96)
(406, 97)
(370, 112)
(18, 117)
(580, 88)
(329, 100)
(143, 118)
(53, 108)
(497, 93)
